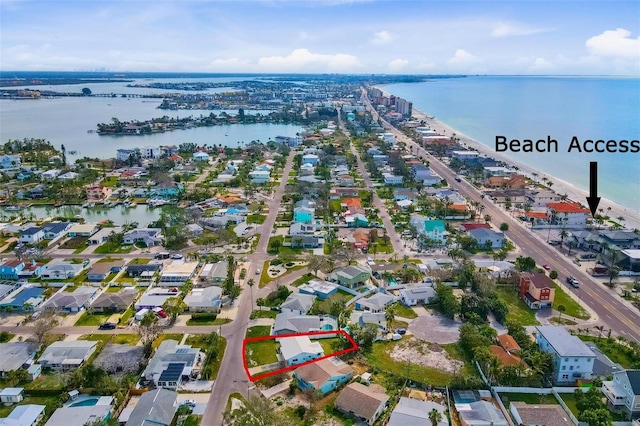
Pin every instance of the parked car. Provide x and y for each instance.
(107, 326)
(189, 402)
(575, 283)
(258, 271)
(401, 331)
(176, 256)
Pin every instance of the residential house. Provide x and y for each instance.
(171, 364)
(204, 299)
(362, 318)
(154, 297)
(123, 154)
(480, 413)
(355, 217)
(465, 227)
(537, 290)
(67, 355)
(298, 350)
(540, 198)
(50, 174)
(11, 395)
(100, 270)
(603, 367)
(297, 303)
(32, 235)
(102, 236)
(359, 239)
(81, 415)
(464, 155)
(568, 214)
(259, 177)
(10, 161)
(83, 230)
(623, 392)
(349, 276)
(376, 303)
(36, 192)
(303, 214)
(61, 270)
(54, 230)
(142, 270)
(289, 323)
(26, 300)
(114, 302)
(151, 152)
(310, 159)
(74, 301)
(425, 175)
(32, 269)
(177, 271)
(8, 289)
(24, 415)
(573, 360)
(363, 402)
(68, 176)
(337, 193)
(486, 237)
(345, 180)
(434, 230)
(321, 289)
(419, 293)
(391, 179)
(10, 269)
(157, 407)
(194, 229)
(97, 193)
(415, 412)
(324, 376)
(151, 237)
(539, 414)
(349, 202)
(214, 273)
(16, 355)
(400, 194)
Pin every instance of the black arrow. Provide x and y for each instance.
(593, 198)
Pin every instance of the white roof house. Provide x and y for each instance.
(177, 272)
(298, 303)
(24, 415)
(170, 363)
(299, 349)
(204, 299)
(67, 355)
(421, 293)
(415, 413)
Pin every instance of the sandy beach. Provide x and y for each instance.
(632, 218)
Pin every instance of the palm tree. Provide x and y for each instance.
(390, 316)
(600, 329)
(435, 417)
(561, 309)
(250, 283)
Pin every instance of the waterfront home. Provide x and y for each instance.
(391, 179)
(297, 303)
(573, 359)
(487, 237)
(349, 276)
(149, 236)
(74, 301)
(54, 230)
(623, 392)
(464, 155)
(177, 272)
(419, 293)
(50, 174)
(102, 236)
(541, 197)
(97, 193)
(10, 396)
(480, 413)
(67, 355)
(259, 177)
(114, 302)
(100, 270)
(568, 214)
(16, 355)
(321, 289)
(83, 230)
(26, 300)
(10, 269)
(171, 364)
(214, 273)
(366, 403)
(312, 159)
(324, 376)
(24, 415)
(537, 290)
(10, 161)
(151, 152)
(415, 412)
(289, 323)
(434, 230)
(154, 297)
(35, 193)
(7, 289)
(376, 303)
(157, 407)
(204, 299)
(201, 156)
(61, 270)
(68, 176)
(124, 154)
(299, 349)
(32, 235)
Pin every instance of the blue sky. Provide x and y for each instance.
(342, 36)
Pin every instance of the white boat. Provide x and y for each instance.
(12, 208)
(133, 204)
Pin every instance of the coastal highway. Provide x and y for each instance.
(622, 319)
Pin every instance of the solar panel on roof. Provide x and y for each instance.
(182, 351)
(172, 373)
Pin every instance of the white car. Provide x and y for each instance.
(189, 402)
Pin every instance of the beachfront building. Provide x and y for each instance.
(567, 214)
(573, 359)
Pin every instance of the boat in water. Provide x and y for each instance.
(88, 205)
(12, 208)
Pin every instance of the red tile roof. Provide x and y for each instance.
(505, 357)
(539, 215)
(567, 208)
(470, 226)
(351, 202)
(508, 342)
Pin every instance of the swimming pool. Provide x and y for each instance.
(88, 402)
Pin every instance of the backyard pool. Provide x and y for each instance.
(88, 402)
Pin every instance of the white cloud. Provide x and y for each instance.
(541, 65)
(506, 30)
(382, 37)
(302, 60)
(398, 65)
(614, 43)
(462, 58)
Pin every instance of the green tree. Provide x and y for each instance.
(525, 264)
(561, 309)
(390, 316)
(435, 417)
(148, 330)
(17, 376)
(173, 307)
(553, 274)
(504, 226)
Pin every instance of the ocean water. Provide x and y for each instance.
(538, 107)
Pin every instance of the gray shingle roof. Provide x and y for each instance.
(564, 343)
(415, 413)
(13, 355)
(157, 408)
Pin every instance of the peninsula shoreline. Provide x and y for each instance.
(632, 217)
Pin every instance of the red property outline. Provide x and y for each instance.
(355, 347)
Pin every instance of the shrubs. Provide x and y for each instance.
(203, 316)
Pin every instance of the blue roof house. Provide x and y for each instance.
(27, 300)
(433, 229)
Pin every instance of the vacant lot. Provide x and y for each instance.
(435, 328)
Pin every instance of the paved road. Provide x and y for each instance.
(622, 319)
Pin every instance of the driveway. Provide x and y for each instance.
(435, 328)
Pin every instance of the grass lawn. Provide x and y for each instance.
(92, 319)
(128, 314)
(570, 400)
(264, 275)
(263, 314)
(53, 381)
(380, 359)
(303, 280)
(208, 321)
(529, 398)
(104, 338)
(213, 363)
(161, 338)
(323, 306)
(562, 321)
(109, 248)
(125, 339)
(198, 341)
(140, 261)
(519, 312)
(48, 401)
(256, 218)
(113, 289)
(258, 330)
(75, 243)
(615, 351)
(262, 352)
(404, 311)
(573, 308)
(5, 336)
(192, 420)
(327, 344)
